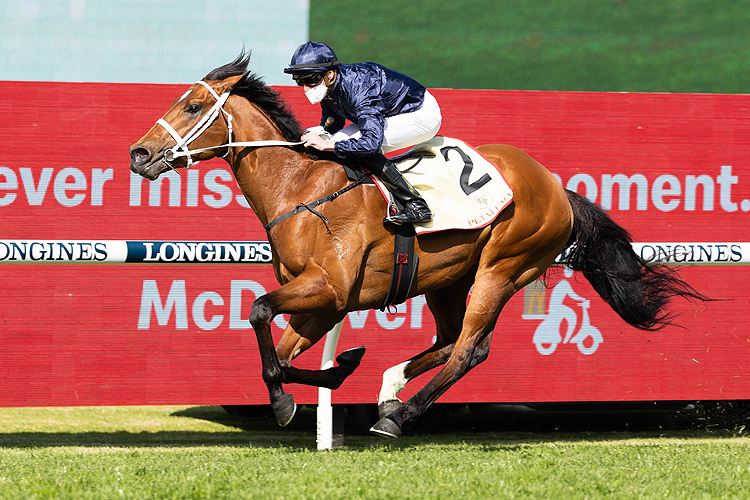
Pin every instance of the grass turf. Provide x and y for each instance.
(201, 452)
(625, 45)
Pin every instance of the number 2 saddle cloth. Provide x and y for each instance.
(463, 189)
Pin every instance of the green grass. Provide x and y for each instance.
(201, 452)
(594, 45)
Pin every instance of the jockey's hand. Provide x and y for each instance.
(313, 140)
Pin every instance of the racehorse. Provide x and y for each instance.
(232, 114)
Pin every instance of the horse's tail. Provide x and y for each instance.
(636, 289)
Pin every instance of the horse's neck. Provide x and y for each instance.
(272, 178)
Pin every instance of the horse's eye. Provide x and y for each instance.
(193, 109)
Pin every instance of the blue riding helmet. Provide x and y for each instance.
(312, 56)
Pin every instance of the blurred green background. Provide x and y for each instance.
(606, 45)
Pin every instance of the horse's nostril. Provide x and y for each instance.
(140, 155)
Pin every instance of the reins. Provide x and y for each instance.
(181, 150)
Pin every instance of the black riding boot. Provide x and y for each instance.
(415, 208)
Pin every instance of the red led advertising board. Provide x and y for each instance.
(669, 167)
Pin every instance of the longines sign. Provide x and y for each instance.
(147, 252)
(259, 252)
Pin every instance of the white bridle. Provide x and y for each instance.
(181, 148)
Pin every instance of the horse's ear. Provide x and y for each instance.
(227, 84)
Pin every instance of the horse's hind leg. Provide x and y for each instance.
(448, 306)
(471, 348)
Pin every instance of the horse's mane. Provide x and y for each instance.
(253, 89)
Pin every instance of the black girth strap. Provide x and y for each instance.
(405, 263)
(309, 206)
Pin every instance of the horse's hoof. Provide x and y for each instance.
(284, 408)
(351, 356)
(387, 407)
(387, 428)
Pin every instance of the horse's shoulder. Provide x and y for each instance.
(330, 163)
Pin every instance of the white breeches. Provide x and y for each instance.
(404, 130)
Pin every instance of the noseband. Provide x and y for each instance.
(181, 148)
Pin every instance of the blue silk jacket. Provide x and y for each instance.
(365, 94)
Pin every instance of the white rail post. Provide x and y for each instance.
(325, 438)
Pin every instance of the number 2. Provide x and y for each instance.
(466, 172)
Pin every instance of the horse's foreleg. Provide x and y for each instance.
(303, 332)
(448, 306)
(307, 293)
(471, 348)
(282, 403)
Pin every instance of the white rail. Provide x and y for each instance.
(259, 252)
(325, 438)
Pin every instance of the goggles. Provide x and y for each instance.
(307, 79)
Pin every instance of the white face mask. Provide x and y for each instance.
(316, 94)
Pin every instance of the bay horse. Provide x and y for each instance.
(320, 286)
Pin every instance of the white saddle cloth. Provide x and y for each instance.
(461, 187)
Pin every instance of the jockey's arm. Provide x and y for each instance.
(372, 129)
(371, 126)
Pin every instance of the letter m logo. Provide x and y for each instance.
(151, 300)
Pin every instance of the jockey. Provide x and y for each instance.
(388, 111)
